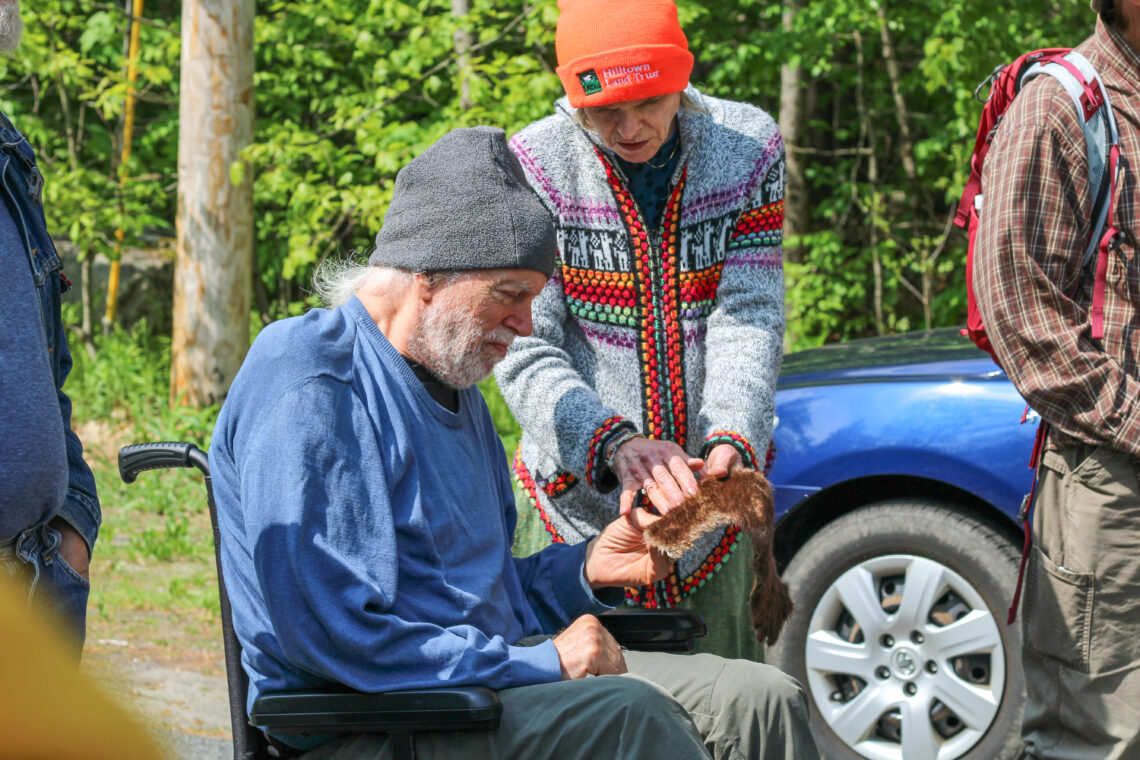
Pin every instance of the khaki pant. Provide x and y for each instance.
(1081, 614)
(668, 706)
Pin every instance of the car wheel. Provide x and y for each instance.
(899, 635)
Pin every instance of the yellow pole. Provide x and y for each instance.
(128, 133)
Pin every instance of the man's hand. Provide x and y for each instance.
(722, 460)
(620, 556)
(586, 648)
(72, 547)
(662, 468)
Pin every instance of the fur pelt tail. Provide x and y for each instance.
(744, 499)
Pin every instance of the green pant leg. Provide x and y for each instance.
(531, 535)
(723, 603)
(1081, 608)
(587, 719)
(744, 710)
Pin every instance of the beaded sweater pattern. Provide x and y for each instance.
(647, 295)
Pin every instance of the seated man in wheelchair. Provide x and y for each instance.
(366, 509)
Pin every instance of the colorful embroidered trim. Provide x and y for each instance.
(608, 297)
(560, 485)
(698, 292)
(657, 280)
(669, 592)
(759, 226)
(661, 302)
(611, 297)
(594, 451)
(747, 453)
(708, 568)
(585, 211)
(522, 474)
(616, 337)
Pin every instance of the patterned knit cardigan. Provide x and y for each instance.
(675, 331)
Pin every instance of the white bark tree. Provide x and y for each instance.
(215, 200)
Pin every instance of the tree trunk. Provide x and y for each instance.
(902, 114)
(867, 132)
(215, 214)
(797, 209)
(462, 40)
(88, 308)
(906, 151)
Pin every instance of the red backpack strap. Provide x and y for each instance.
(1107, 241)
(1103, 142)
(1004, 84)
(1023, 514)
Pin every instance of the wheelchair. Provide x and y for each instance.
(399, 714)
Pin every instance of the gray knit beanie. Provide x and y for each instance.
(464, 204)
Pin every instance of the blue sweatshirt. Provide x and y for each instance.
(366, 530)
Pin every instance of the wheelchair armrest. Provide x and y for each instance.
(342, 711)
(654, 630)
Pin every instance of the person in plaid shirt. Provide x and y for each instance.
(1081, 614)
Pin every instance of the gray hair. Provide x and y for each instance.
(580, 118)
(337, 280)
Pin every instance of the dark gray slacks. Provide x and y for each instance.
(1081, 610)
(667, 706)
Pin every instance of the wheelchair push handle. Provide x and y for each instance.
(159, 456)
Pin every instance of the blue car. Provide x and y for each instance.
(900, 465)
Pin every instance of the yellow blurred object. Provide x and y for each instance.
(47, 709)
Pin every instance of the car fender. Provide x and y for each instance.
(940, 430)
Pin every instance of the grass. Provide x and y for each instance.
(152, 571)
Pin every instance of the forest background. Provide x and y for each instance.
(876, 99)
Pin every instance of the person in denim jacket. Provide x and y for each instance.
(49, 511)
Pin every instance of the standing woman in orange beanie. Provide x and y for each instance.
(658, 340)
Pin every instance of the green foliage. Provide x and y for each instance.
(348, 92)
(124, 390)
(126, 385)
(858, 217)
(67, 86)
(505, 424)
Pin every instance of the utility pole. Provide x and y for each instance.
(212, 272)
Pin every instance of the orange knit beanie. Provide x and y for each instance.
(614, 50)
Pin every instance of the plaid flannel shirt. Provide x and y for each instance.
(1035, 223)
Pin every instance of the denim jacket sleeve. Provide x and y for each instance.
(23, 186)
(81, 506)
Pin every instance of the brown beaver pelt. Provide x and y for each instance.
(744, 498)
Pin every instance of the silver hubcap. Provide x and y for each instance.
(904, 660)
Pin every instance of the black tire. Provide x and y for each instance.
(881, 544)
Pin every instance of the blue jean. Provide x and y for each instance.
(33, 561)
(21, 190)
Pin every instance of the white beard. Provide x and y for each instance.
(449, 343)
(11, 25)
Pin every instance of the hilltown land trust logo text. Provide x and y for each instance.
(614, 76)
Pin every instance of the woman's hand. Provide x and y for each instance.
(662, 468)
(722, 460)
(620, 556)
